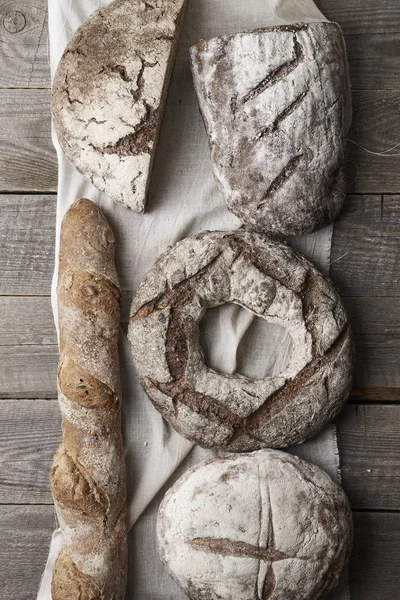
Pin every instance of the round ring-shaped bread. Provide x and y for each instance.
(275, 283)
(265, 525)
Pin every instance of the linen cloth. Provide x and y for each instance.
(183, 200)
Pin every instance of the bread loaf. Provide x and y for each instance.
(275, 283)
(109, 93)
(276, 105)
(260, 526)
(88, 473)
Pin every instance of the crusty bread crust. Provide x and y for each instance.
(109, 93)
(88, 473)
(268, 278)
(265, 525)
(276, 105)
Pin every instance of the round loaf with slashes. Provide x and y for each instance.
(261, 526)
(268, 278)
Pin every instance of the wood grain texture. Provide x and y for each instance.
(377, 367)
(27, 232)
(366, 266)
(363, 16)
(376, 326)
(366, 248)
(26, 531)
(29, 351)
(31, 433)
(27, 157)
(369, 438)
(375, 562)
(375, 127)
(375, 318)
(28, 371)
(24, 44)
(374, 61)
(369, 441)
(365, 253)
(374, 394)
(26, 321)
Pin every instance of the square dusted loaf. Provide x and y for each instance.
(276, 106)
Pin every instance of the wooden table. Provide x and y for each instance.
(365, 267)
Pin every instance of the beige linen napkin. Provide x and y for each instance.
(183, 201)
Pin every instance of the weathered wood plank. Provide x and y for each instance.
(365, 254)
(25, 62)
(25, 532)
(375, 126)
(366, 262)
(375, 563)
(373, 61)
(374, 394)
(366, 248)
(361, 16)
(377, 367)
(28, 160)
(376, 327)
(375, 316)
(26, 320)
(369, 442)
(30, 435)
(27, 232)
(28, 371)
(23, 44)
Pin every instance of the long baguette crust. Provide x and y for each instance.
(88, 474)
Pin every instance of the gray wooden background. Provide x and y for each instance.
(365, 267)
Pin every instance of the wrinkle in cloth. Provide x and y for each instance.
(183, 200)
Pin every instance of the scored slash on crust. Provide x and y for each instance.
(287, 171)
(242, 82)
(282, 116)
(269, 554)
(245, 424)
(115, 73)
(307, 512)
(279, 73)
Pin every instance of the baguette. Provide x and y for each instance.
(88, 473)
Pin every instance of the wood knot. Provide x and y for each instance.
(14, 21)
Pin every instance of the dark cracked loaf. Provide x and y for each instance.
(109, 93)
(276, 105)
(88, 473)
(261, 526)
(275, 283)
